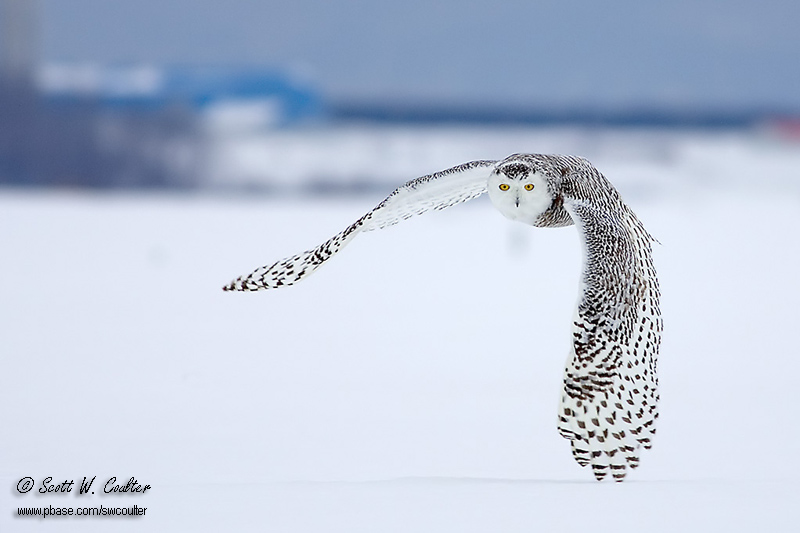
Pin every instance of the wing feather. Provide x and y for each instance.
(432, 192)
(609, 398)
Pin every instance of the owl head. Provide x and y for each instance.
(519, 191)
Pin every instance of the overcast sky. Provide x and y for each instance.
(619, 53)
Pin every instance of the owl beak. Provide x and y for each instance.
(516, 201)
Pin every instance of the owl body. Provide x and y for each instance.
(609, 396)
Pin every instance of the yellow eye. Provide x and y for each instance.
(529, 186)
(504, 186)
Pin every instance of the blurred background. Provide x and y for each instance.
(153, 150)
(326, 97)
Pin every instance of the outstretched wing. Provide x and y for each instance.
(434, 191)
(609, 399)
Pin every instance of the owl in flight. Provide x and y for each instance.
(609, 399)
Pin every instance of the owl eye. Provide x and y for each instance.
(504, 186)
(529, 186)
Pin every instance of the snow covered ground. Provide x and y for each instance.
(411, 384)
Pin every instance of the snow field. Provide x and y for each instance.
(410, 385)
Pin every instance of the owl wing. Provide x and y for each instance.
(609, 397)
(432, 192)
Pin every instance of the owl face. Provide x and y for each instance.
(519, 192)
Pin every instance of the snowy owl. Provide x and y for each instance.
(609, 398)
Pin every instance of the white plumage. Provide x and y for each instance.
(610, 393)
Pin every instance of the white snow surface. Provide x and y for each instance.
(412, 383)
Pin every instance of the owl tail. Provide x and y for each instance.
(293, 269)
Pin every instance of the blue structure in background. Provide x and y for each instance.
(135, 126)
(206, 86)
(197, 88)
